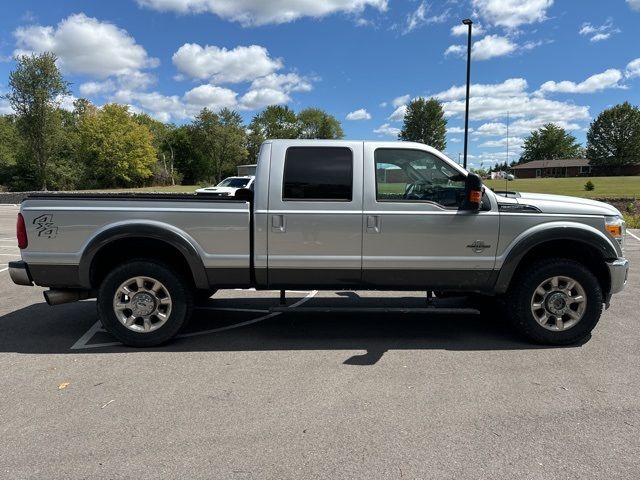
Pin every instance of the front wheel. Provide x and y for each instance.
(144, 303)
(556, 302)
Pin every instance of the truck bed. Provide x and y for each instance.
(61, 227)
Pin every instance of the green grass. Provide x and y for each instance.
(605, 187)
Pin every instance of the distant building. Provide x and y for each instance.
(246, 170)
(569, 167)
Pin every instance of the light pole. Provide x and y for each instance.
(468, 22)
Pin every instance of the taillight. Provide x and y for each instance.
(21, 233)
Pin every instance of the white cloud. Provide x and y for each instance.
(66, 102)
(488, 47)
(419, 18)
(519, 127)
(510, 87)
(360, 114)
(401, 100)
(262, 97)
(90, 89)
(239, 64)
(634, 4)
(211, 97)
(512, 13)
(633, 68)
(492, 46)
(262, 12)
(290, 82)
(490, 129)
(599, 33)
(462, 30)
(86, 45)
(387, 130)
(451, 130)
(514, 142)
(492, 103)
(595, 83)
(398, 114)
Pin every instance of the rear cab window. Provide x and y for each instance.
(317, 174)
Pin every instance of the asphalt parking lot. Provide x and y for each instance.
(245, 394)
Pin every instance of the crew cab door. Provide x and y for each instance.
(415, 235)
(315, 214)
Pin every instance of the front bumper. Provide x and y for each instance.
(618, 272)
(19, 273)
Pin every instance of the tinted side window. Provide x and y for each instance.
(405, 175)
(318, 173)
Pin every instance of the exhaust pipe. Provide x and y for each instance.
(60, 296)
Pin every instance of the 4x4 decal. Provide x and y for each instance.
(45, 226)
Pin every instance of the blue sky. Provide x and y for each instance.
(360, 60)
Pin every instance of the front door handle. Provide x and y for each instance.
(373, 223)
(278, 224)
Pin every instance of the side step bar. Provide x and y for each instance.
(459, 311)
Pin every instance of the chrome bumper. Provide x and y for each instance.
(19, 273)
(618, 272)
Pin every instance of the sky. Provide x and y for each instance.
(535, 61)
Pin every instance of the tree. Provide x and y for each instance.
(316, 123)
(118, 150)
(10, 142)
(424, 122)
(613, 139)
(188, 160)
(163, 170)
(232, 141)
(550, 142)
(36, 87)
(275, 121)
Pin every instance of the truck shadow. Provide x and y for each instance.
(41, 329)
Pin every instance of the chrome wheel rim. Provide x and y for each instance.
(142, 304)
(559, 303)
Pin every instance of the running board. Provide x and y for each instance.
(459, 311)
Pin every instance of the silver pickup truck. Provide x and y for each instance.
(328, 215)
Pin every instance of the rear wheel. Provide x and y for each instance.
(144, 303)
(556, 302)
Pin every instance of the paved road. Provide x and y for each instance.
(314, 396)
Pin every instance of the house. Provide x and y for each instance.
(567, 167)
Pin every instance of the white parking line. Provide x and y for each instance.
(4, 269)
(634, 236)
(97, 327)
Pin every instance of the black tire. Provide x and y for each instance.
(520, 299)
(202, 296)
(174, 287)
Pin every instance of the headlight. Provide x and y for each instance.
(616, 227)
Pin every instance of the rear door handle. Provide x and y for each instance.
(278, 224)
(373, 223)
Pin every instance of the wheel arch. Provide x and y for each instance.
(140, 240)
(581, 243)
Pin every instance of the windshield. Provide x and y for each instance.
(234, 182)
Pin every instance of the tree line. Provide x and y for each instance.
(43, 146)
(46, 147)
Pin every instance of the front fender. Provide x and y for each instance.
(548, 232)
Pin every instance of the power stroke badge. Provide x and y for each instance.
(45, 226)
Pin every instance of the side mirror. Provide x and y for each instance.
(472, 193)
(244, 194)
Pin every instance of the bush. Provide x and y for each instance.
(632, 221)
(589, 186)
